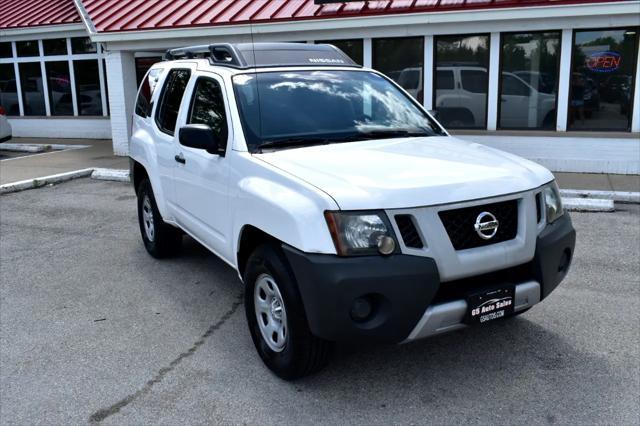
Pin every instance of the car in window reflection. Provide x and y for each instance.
(461, 99)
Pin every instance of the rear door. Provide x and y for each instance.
(201, 177)
(165, 122)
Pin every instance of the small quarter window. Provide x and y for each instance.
(170, 100)
(148, 84)
(208, 107)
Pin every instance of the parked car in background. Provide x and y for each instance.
(5, 127)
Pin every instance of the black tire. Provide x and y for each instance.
(303, 353)
(166, 240)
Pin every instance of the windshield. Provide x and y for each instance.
(326, 106)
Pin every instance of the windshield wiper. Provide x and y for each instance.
(292, 143)
(393, 133)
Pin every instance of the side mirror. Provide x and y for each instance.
(200, 136)
(434, 113)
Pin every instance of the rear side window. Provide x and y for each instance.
(148, 84)
(474, 80)
(170, 100)
(208, 107)
(444, 80)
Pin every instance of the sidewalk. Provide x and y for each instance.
(600, 182)
(99, 154)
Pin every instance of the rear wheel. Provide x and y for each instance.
(276, 317)
(160, 239)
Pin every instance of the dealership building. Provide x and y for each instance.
(553, 80)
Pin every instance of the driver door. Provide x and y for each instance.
(201, 177)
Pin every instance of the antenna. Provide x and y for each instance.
(255, 74)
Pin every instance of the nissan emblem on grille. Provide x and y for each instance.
(486, 225)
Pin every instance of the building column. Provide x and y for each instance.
(367, 53)
(494, 80)
(635, 119)
(121, 83)
(427, 87)
(564, 80)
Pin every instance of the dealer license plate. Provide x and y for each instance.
(490, 305)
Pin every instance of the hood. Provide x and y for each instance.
(408, 172)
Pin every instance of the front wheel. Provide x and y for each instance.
(160, 239)
(276, 317)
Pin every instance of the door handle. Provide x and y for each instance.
(180, 158)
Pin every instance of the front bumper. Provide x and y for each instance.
(408, 300)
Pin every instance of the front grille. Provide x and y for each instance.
(459, 224)
(408, 231)
(538, 207)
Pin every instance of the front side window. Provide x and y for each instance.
(602, 74)
(325, 106)
(208, 108)
(171, 98)
(462, 103)
(401, 59)
(530, 65)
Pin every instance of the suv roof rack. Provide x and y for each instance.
(253, 55)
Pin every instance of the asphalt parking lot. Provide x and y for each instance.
(94, 330)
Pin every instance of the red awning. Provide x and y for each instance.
(131, 15)
(34, 13)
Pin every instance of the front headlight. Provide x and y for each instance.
(552, 202)
(361, 233)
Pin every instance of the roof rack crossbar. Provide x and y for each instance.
(251, 55)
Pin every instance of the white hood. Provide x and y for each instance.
(408, 172)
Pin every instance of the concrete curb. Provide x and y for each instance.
(42, 181)
(23, 147)
(37, 148)
(620, 196)
(588, 205)
(118, 175)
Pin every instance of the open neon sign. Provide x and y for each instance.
(603, 61)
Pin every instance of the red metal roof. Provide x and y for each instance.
(131, 15)
(33, 13)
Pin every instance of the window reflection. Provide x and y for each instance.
(88, 87)
(461, 80)
(602, 79)
(530, 63)
(352, 48)
(31, 84)
(8, 89)
(59, 84)
(401, 59)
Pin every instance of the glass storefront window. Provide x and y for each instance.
(82, 45)
(401, 59)
(8, 89)
(27, 48)
(5, 50)
(88, 87)
(31, 87)
(54, 46)
(352, 48)
(59, 83)
(602, 74)
(528, 83)
(461, 80)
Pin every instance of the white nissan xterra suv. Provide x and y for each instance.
(349, 213)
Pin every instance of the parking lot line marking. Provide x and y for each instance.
(103, 413)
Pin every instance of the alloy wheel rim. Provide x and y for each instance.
(147, 219)
(270, 313)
